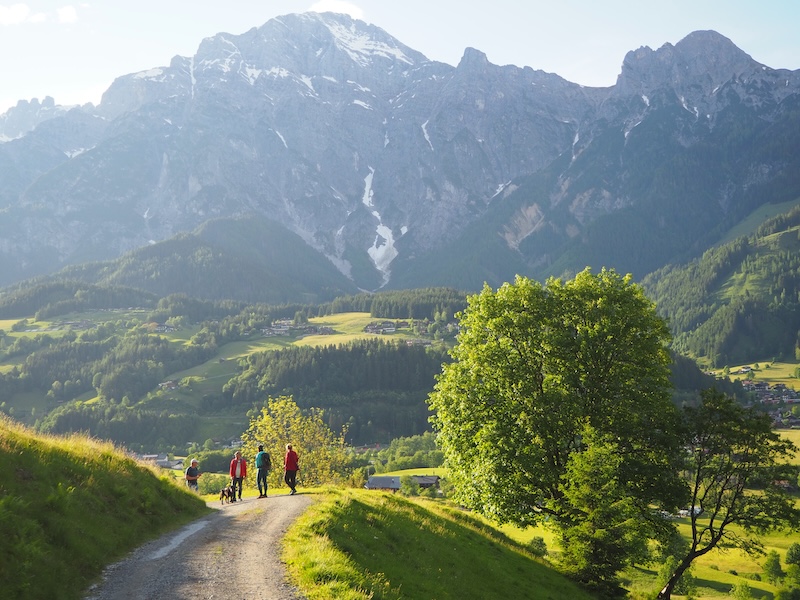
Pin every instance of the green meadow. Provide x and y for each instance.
(360, 544)
(770, 371)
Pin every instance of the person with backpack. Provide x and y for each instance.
(263, 467)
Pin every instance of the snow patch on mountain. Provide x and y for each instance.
(425, 133)
(149, 74)
(361, 47)
(382, 252)
(278, 133)
(251, 74)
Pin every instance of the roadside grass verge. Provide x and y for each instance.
(358, 544)
(71, 505)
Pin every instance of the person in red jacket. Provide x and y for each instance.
(238, 473)
(290, 468)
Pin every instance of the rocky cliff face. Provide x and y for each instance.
(26, 115)
(370, 152)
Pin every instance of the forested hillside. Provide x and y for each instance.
(107, 376)
(376, 388)
(252, 260)
(739, 301)
(81, 363)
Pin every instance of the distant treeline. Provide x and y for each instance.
(377, 388)
(423, 303)
(47, 299)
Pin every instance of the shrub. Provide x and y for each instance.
(788, 594)
(741, 591)
(793, 555)
(210, 483)
(772, 567)
(537, 547)
(408, 487)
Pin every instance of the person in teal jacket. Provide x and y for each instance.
(263, 466)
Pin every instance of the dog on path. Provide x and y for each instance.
(226, 494)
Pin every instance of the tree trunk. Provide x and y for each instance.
(666, 591)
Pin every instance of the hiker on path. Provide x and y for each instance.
(263, 466)
(238, 472)
(192, 475)
(290, 468)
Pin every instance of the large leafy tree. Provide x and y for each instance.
(737, 469)
(547, 382)
(280, 422)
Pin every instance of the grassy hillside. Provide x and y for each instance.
(69, 506)
(356, 544)
(758, 217)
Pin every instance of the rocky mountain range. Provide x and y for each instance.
(399, 170)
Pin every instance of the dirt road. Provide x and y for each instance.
(232, 554)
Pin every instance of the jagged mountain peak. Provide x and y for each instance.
(26, 115)
(375, 156)
(704, 58)
(365, 43)
(295, 46)
(473, 58)
(310, 40)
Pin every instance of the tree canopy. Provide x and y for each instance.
(737, 469)
(280, 422)
(547, 381)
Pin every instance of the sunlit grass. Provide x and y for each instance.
(755, 219)
(70, 505)
(440, 471)
(366, 544)
(769, 371)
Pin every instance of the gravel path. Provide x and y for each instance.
(233, 553)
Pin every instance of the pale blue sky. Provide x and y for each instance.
(74, 51)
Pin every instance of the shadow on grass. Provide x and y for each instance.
(424, 550)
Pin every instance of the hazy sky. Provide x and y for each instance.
(73, 52)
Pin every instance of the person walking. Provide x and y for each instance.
(290, 469)
(263, 466)
(238, 472)
(192, 475)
